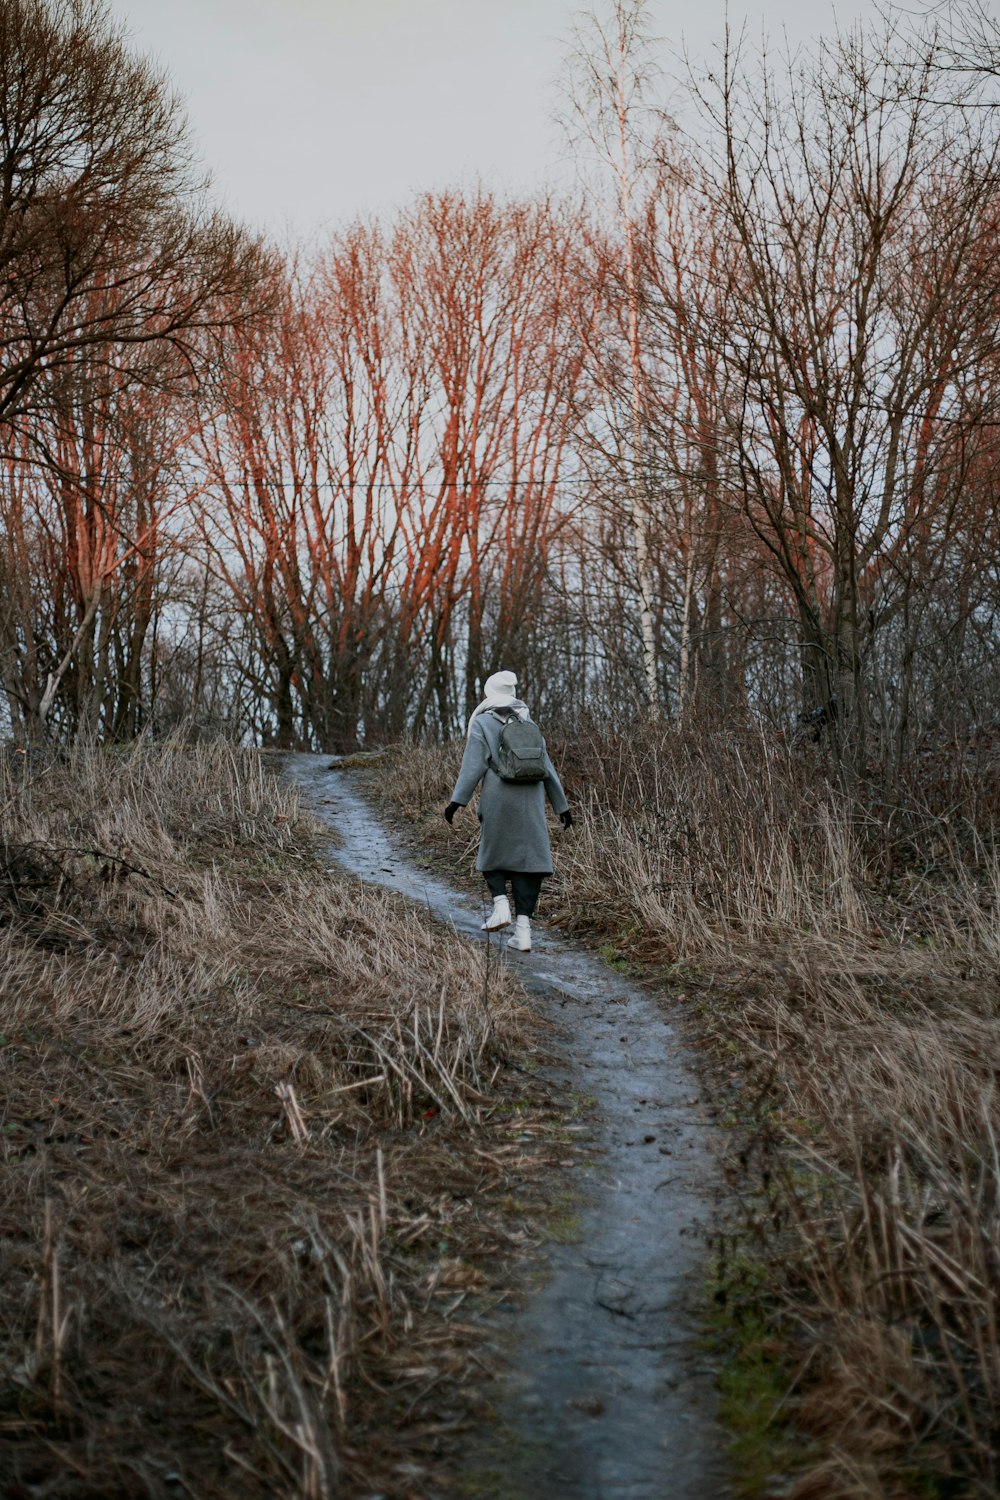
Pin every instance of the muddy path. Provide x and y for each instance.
(607, 1395)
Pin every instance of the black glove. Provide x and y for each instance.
(451, 810)
(566, 818)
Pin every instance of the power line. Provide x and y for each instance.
(402, 486)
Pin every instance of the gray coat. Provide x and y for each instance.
(512, 814)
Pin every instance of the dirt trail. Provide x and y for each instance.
(607, 1395)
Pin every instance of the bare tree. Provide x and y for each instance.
(88, 526)
(105, 237)
(612, 67)
(486, 293)
(856, 206)
(298, 439)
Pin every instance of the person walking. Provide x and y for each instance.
(514, 843)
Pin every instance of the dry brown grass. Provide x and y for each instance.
(417, 784)
(841, 957)
(256, 1134)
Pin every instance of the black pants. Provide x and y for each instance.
(526, 888)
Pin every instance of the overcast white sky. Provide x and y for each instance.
(309, 113)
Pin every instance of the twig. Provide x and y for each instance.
(49, 851)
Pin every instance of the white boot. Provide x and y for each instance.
(499, 916)
(521, 938)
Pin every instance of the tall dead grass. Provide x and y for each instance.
(254, 1136)
(847, 955)
(841, 956)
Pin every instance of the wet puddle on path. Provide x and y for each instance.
(607, 1395)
